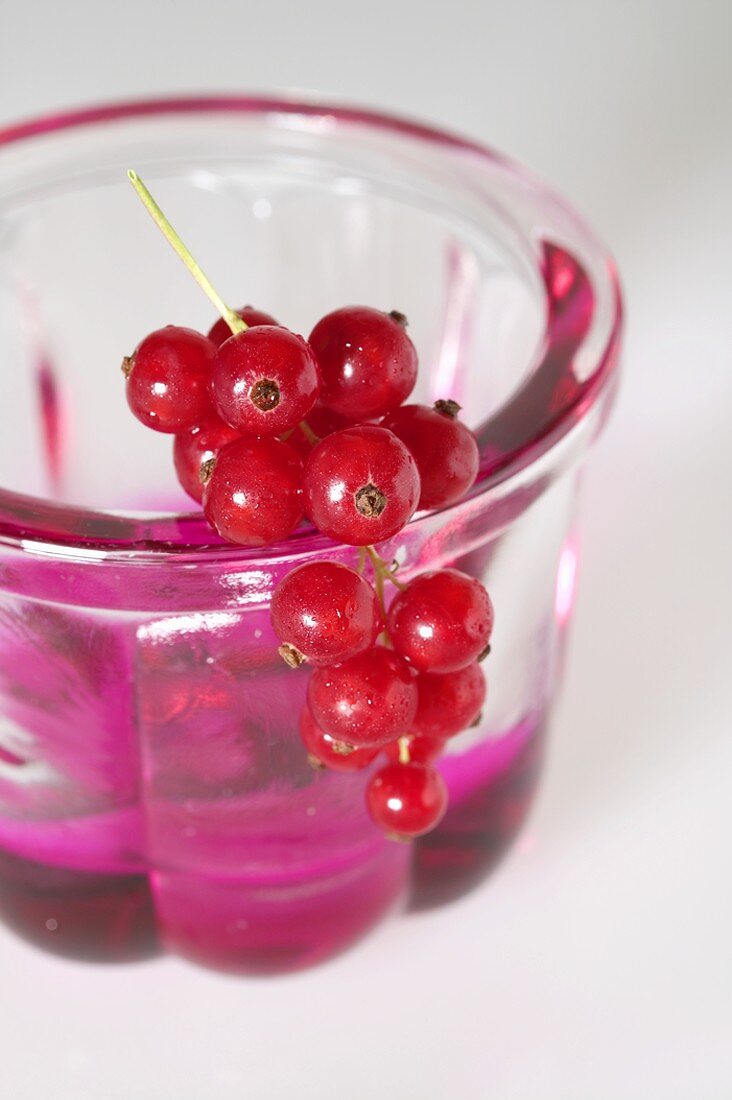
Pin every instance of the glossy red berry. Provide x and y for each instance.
(253, 496)
(264, 380)
(326, 611)
(361, 485)
(445, 450)
(367, 361)
(168, 378)
(196, 447)
(220, 331)
(368, 700)
(422, 749)
(442, 621)
(407, 800)
(449, 702)
(326, 751)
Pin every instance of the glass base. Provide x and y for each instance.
(257, 927)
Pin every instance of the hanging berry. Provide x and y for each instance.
(325, 612)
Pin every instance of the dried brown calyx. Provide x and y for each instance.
(127, 364)
(341, 748)
(206, 470)
(265, 395)
(447, 408)
(291, 655)
(400, 318)
(370, 501)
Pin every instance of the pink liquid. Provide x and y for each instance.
(287, 916)
(199, 826)
(154, 793)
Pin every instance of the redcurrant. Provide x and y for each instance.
(195, 448)
(168, 378)
(253, 495)
(441, 621)
(367, 361)
(325, 751)
(407, 800)
(264, 380)
(361, 485)
(325, 612)
(220, 330)
(445, 450)
(368, 700)
(448, 701)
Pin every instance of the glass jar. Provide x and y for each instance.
(153, 788)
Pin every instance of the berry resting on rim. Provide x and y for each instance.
(367, 361)
(167, 379)
(361, 485)
(194, 450)
(253, 495)
(446, 452)
(264, 380)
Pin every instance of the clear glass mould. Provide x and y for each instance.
(154, 793)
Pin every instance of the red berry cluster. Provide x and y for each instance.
(402, 680)
(237, 406)
(269, 428)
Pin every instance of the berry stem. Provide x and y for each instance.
(404, 755)
(232, 319)
(383, 570)
(392, 579)
(309, 434)
(378, 567)
(382, 573)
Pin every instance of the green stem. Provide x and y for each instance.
(232, 319)
(378, 567)
(382, 573)
(382, 570)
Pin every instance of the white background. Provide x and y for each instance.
(597, 962)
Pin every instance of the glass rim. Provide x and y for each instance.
(27, 520)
